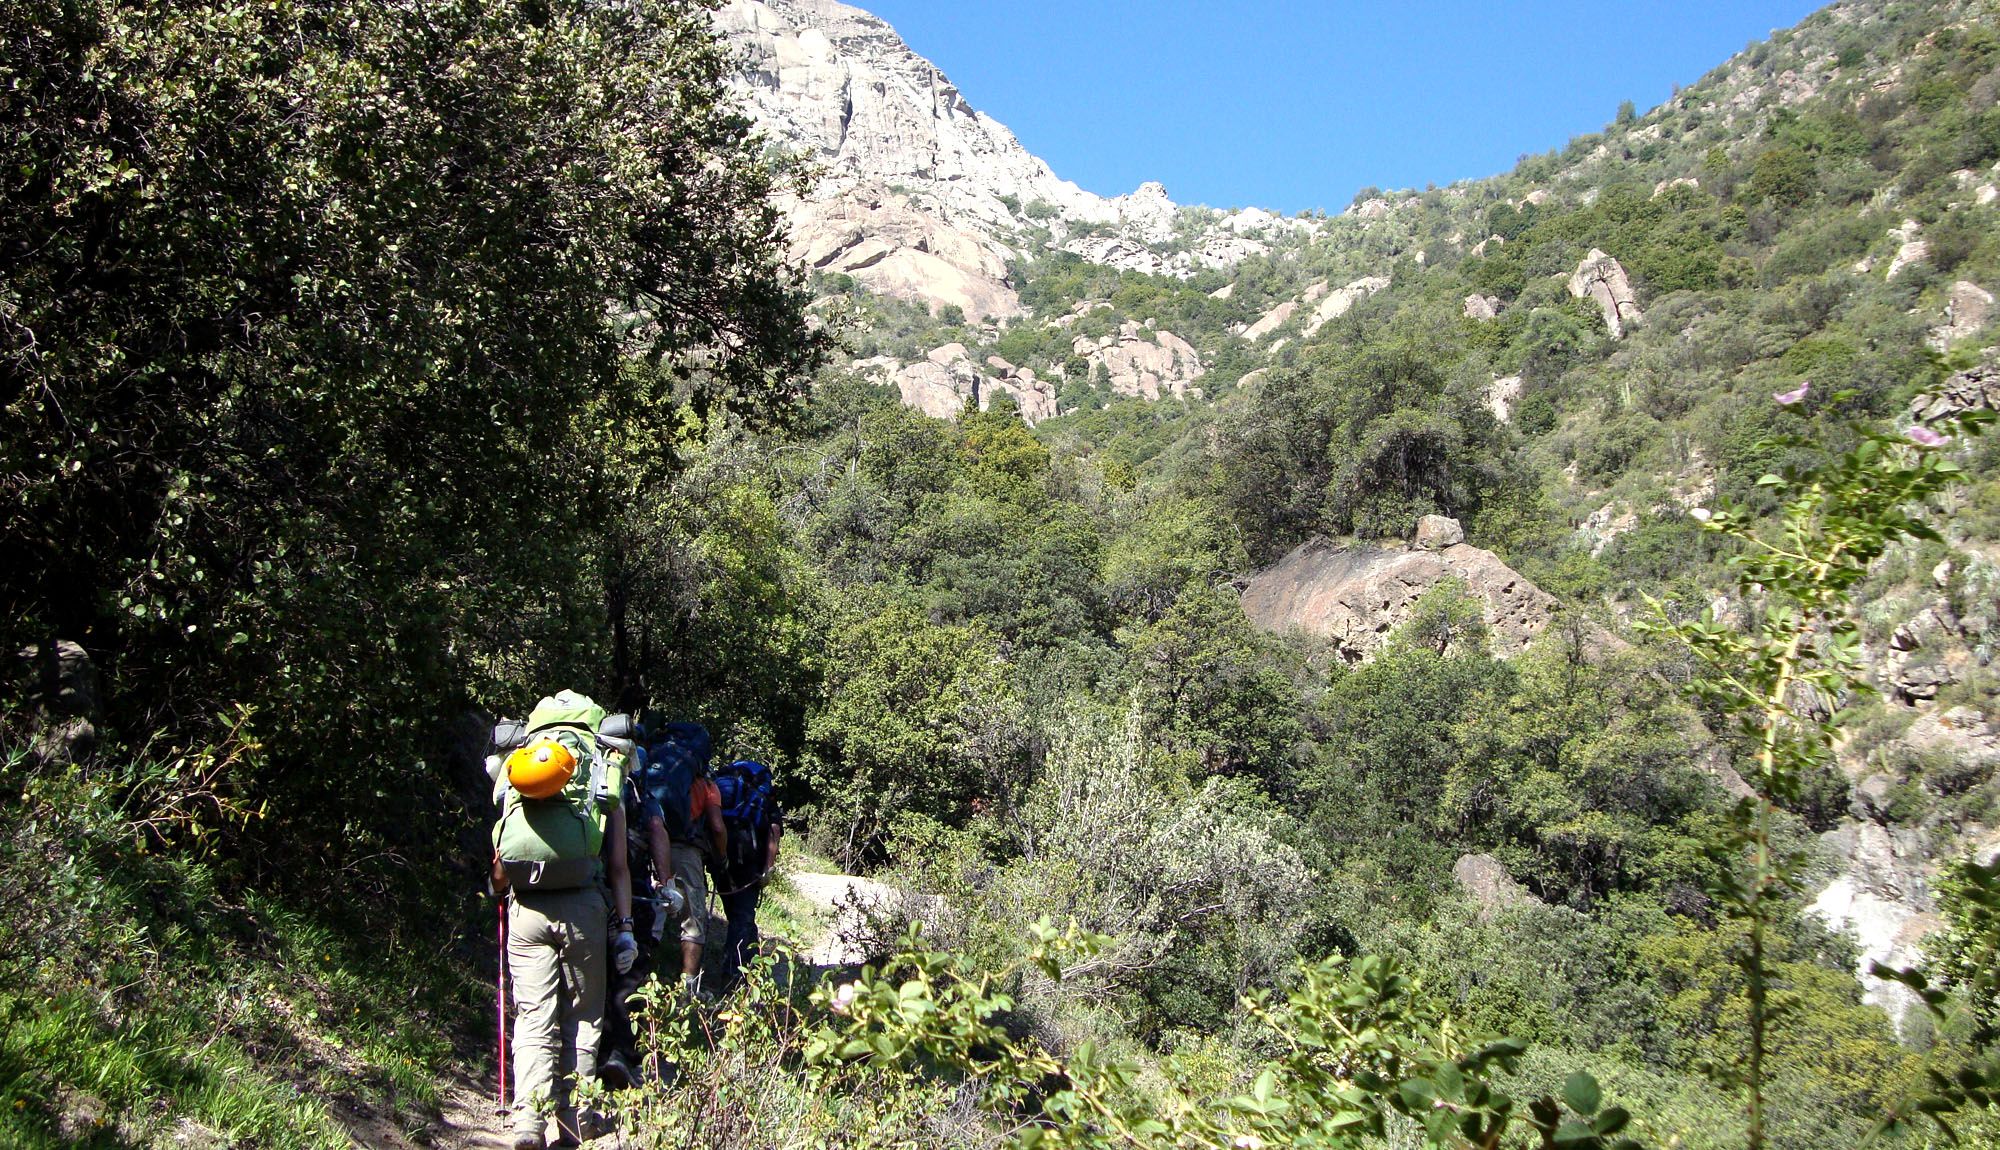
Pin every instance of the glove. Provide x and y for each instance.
(624, 951)
(662, 907)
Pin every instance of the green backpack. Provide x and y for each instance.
(555, 843)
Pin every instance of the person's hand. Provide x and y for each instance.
(661, 907)
(624, 951)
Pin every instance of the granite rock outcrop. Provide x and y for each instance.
(1143, 362)
(1603, 279)
(1356, 594)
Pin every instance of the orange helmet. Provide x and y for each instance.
(541, 769)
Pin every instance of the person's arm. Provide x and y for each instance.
(661, 846)
(771, 845)
(717, 832)
(615, 867)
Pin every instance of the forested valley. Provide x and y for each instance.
(373, 370)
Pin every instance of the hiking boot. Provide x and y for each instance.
(693, 991)
(614, 1072)
(526, 1139)
(593, 1123)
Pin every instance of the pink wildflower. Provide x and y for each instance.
(1790, 397)
(843, 997)
(1925, 437)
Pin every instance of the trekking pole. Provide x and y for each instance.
(500, 985)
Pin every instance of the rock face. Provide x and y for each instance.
(1601, 278)
(1271, 321)
(1960, 732)
(839, 89)
(1340, 301)
(1967, 307)
(890, 247)
(1975, 388)
(1437, 532)
(942, 383)
(1482, 307)
(1882, 899)
(58, 684)
(1357, 595)
(1913, 249)
(1486, 881)
(1142, 362)
(842, 91)
(1502, 396)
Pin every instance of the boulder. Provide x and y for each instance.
(1871, 797)
(1486, 881)
(1271, 321)
(1437, 532)
(1912, 249)
(1603, 279)
(1479, 249)
(58, 684)
(1967, 307)
(1974, 388)
(1356, 595)
(1924, 682)
(1502, 395)
(1340, 301)
(1482, 307)
(1960, 732)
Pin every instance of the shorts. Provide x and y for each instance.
(691, 870)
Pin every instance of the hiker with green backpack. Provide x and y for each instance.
(558, 779)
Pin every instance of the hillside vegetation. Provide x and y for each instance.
(323, 448)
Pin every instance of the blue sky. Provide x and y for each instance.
(1296, 105)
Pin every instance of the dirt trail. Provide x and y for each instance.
(851, 902)
(470, 1117)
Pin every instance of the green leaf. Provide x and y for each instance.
(1611, 1121)
(1417, 1094)
(1581, 1093)
(1574, 1132)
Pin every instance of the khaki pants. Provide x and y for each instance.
(556, 954)
(688, 868)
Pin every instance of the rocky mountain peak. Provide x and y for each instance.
(839, 88)
(921, 196)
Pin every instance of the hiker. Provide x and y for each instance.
(677, 777)
(558, 789)
(754, 824)
(650, 868)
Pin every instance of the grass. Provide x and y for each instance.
(152, 999)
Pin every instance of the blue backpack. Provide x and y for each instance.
(677, 756)
(745, 786)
